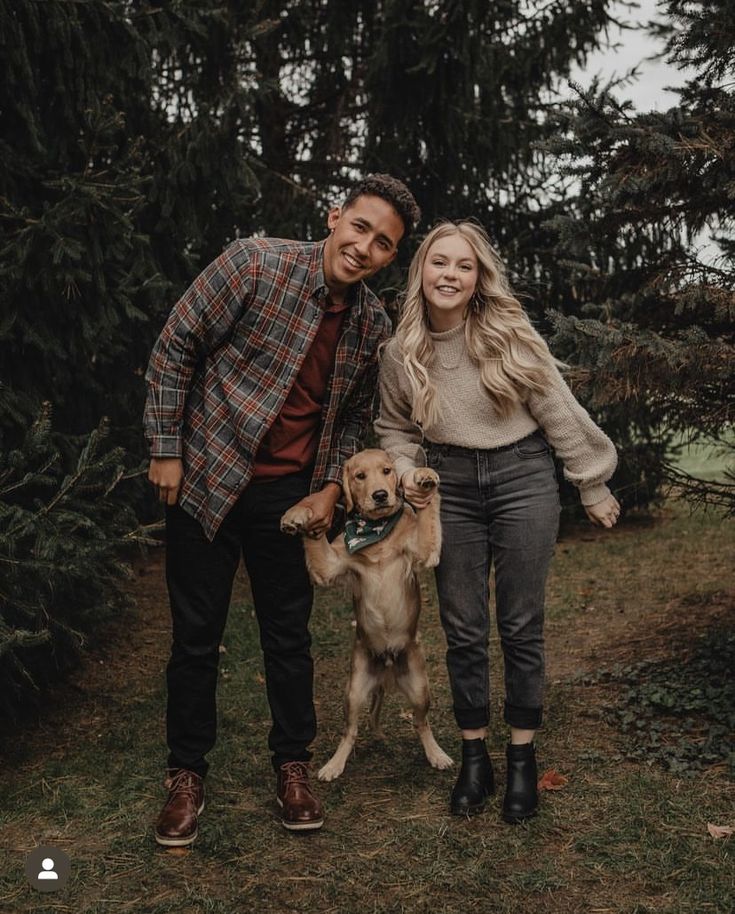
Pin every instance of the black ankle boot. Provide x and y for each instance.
(521, 792)
(475, 782)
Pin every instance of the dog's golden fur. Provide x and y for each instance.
(387, 599)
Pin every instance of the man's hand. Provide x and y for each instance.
(166, 474)
(605, 513)
(321, 505)
(419, 496)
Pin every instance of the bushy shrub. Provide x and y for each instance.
(64, 529)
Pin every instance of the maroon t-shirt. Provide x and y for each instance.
(290, 445)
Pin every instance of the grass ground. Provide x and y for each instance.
(625, 836)
(705, 461)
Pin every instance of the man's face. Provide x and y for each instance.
(364, 239)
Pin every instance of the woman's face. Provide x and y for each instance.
(448, 280)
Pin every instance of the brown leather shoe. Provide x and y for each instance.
(301, 809)
(177, 822)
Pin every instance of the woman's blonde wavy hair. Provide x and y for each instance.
(512, 357)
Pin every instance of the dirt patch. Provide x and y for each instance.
(653, 633)
(666, 585)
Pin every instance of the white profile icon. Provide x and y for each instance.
(48, 869)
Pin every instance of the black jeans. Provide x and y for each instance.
(497, 506)
(200, 574)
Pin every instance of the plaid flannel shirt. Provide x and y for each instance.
(227, 356)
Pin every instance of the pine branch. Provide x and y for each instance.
(703, 493)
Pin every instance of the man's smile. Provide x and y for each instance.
(353, 261)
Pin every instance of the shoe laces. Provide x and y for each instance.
(184, 783)
(296, 773)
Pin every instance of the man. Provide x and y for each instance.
(259, 387)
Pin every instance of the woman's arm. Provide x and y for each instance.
(398, 433)
(588, 455)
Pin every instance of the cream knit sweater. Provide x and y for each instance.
(470, 420)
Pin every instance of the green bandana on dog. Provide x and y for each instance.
(361, 531)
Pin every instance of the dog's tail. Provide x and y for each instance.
(376, 706)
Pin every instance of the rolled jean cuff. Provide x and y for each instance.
(471, 718)
(523, 718)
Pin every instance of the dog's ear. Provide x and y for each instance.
(346, 494)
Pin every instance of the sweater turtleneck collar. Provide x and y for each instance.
(449, 346)
(442, 335)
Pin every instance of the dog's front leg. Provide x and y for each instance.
(361, 684)
(325, 563)
(428, 539)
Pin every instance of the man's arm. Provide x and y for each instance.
(347, 439)
(199, 322)
(322, 505)
(357, 414)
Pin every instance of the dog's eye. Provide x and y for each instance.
(387, 471)
(360, 475)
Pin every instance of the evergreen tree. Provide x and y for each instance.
(63, 530)
(141, 137)
(121, 166)
(449, 96)
(651, 258)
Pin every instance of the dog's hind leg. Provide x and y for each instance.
(412, 681)
(361, 683)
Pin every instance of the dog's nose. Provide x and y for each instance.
(380, 496)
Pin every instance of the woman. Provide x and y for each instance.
(469, 388)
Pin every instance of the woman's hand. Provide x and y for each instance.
(418, 496)
(605, 513)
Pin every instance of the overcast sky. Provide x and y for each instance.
(648, 92)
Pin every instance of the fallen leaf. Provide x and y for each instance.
(720, 831)
(552, 780)
(260, 678)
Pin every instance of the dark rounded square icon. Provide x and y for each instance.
(47, 868)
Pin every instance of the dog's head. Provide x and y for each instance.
(370, 484)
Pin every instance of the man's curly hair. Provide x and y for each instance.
(392, 191)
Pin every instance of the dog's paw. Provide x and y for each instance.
(425, 478)
(331, 771)
(439, 759)
(295, 520)
(432, 560)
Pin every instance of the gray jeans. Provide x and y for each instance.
(498, 506)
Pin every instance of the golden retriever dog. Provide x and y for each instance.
(387, 599)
